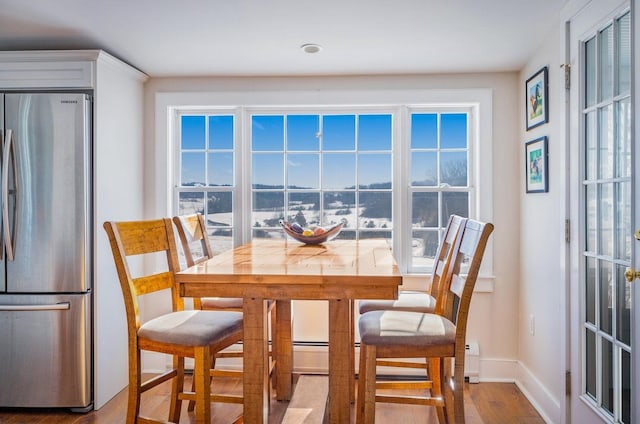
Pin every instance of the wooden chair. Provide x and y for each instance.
(192, 232)
(438, 337)
(422, 301)
(181, 333)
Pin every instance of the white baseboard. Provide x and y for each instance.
(542, 400)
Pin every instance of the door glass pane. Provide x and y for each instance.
(591, 200)
(591, 145)
(623, 221)
(590, 364)
(606, 293)
(605, 142)
(626, 387)
(623, 147)
(590, 290)
(607, 376)
(623, 309)
(605, 63)
(623, 49)
(605, 221)
(590, 72)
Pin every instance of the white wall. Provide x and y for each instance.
(493, 320)
(118, 184)
(542, 247)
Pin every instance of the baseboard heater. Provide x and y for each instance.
(472, 362)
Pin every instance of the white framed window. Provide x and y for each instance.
(394, 167)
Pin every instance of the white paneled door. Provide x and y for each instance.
(603, 345)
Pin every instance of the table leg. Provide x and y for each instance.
(284, 350)
(256, 360)
(339, 363)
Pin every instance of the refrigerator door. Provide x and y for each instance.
(48, 202)
(45, 359)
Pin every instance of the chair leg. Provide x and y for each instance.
(366, 402)
(458, 393)
(192, 404)
(274, 336)
(135, 380)
(433, 365)
(201, 376)
(352, 352)
(177, 386)
(447, 390)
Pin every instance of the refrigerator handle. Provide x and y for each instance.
(9, 151)
(4, 149)
(62, 306)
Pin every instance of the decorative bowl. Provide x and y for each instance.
(314, 239)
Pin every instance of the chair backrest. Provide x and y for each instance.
(134, 238)
(191, 230)
(468, 251)
(441, 261)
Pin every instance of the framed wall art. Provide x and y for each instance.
(537, 173)
(537, 99)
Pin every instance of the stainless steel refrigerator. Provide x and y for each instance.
(46, 266)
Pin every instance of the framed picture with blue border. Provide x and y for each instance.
(537, 99)
(536, 159)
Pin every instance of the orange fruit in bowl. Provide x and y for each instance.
(319, 231)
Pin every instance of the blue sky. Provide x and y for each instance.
(313, 141)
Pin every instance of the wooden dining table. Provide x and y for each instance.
(338, 271)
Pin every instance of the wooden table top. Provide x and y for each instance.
(275, 269)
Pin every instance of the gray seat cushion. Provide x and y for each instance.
(408, 300)
(191, 328)
(383, 328)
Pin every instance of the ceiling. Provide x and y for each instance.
(262, 38)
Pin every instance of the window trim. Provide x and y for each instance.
(479, 100)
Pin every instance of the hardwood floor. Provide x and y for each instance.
(488, 403)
